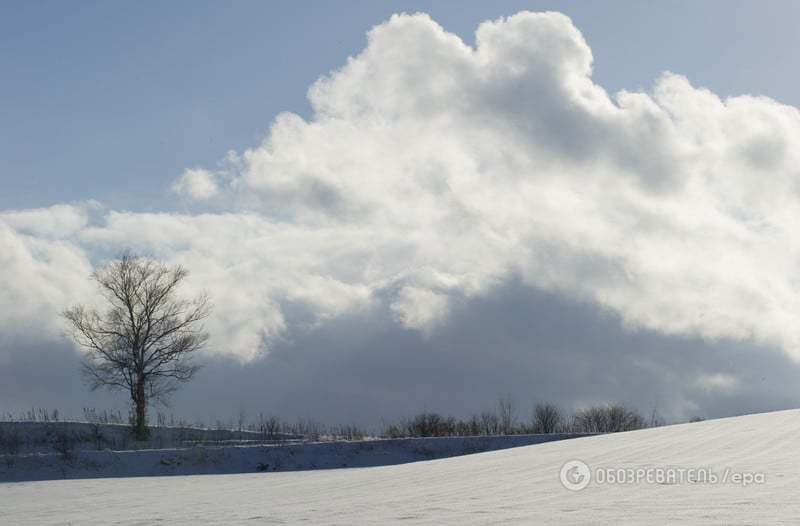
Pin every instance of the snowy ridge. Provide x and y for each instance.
(253, 458)
(513, 486)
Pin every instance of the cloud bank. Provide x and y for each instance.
(432, 173)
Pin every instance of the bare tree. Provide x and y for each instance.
(507, 414)
(547, 418)
(490, 425)
(242, 420)
(146, 340)
(271, 428)
(607, 419)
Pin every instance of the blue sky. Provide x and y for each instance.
(112, 101)
(453, 224)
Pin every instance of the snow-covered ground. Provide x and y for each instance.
(512, 486)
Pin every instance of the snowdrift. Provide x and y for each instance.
(513, 486)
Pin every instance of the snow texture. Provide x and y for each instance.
(513, 486)
(225, 452)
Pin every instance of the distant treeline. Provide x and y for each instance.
(545, 418)
(502, 420)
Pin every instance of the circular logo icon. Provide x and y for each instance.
(575, 475)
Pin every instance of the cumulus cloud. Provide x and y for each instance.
(433, 172)
(40, 276)
(420, 308)
(56, 222)
(717, 381)
(196, 183)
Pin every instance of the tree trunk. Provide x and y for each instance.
(140, 425)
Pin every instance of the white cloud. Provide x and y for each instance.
(432, 170)
(39, 278)
(197, 183)
(55, 222)
(717, 381)
(420, 308)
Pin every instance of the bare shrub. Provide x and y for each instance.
(93, 416)
(547, 418)
(507, 415)
(393, 431)
(431, 425)
(469, 427)
(271, 428)
(489, 423)
(423, 425)
(242, 421)
(607, 419)
(348, 432)
(308, 429)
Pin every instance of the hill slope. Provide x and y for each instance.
(216, 459)
(518, 485)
